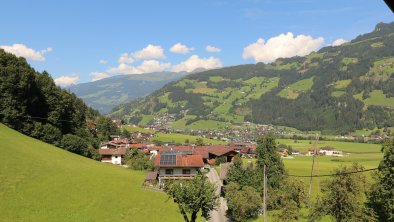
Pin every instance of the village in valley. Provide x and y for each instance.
(183, 160)
(197, 111)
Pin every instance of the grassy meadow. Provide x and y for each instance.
(40, 182)
(367, 155)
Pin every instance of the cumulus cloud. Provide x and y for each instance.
(146, 66)
(149, 52)
(180, 48)
(22, 50)
(282, 46)
(125, 58)
(102, 61)
(211, 48)
(98, 75)
(195, 62)
(338, 42)
(67, 80)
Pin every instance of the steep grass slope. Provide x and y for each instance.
(39, 182)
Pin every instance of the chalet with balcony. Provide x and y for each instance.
(113, 156)
(177, 165)
(208, 153)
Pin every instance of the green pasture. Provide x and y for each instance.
(40, 182)
(294, 90)
(377, 98)
(181, 138)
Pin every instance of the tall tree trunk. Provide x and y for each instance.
(184, 214)
(194, 216)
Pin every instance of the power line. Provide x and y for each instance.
(335, 174)
(36, 117)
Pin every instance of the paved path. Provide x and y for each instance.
(218, 215)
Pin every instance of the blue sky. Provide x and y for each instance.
(70, 38)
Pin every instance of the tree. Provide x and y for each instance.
(75, 144)
(200, 142)
(343, 197)
(137, 160)
(193, 196)
(125, 134)
(243, 175)
(266, 155)
(381, 199)
(288, 199)
(106, 128)
(51, 134)
(243, 203)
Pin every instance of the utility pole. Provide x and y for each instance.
(265, 196)
(313, 163)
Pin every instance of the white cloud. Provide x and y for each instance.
(149, 52)
(98, 75)
(282, 46)
(67, 80)
(22, 50)
(152, 66)
(195, 62)
(146, 66)
(211, 48)
(125, 58)
(102, 61)
(338, 42)
(180, 48)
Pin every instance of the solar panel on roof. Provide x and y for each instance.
(168, 159)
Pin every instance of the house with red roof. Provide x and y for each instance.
(208, 153)
(113, 156)
(177, 165)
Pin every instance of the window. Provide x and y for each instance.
(186, 171)
(116, 157)
(169, 171)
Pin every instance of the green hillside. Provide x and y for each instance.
(40, 182)
(336, 90)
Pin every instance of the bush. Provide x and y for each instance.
(75, 144)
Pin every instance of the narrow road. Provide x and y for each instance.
(218, 215)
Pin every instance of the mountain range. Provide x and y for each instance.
(337, 89)
(105, 94)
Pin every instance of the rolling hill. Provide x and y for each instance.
(338, 89)
(40, 182)
(105, 94)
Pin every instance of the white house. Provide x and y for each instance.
(113, 156)
(330, 152)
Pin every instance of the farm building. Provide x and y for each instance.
(328, 151)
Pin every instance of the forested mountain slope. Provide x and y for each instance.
(337, 89)
(105, 94)
(31, 103)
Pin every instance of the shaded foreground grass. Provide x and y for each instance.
(40, 182)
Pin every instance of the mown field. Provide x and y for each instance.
(40, 182)
(366, 154)
(172, 137)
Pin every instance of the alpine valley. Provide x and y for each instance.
(337, 89)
